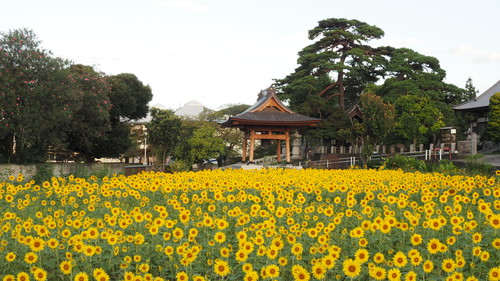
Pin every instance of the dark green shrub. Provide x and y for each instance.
(474, 166)
(407, 164)
(44, 172)
(446, 167)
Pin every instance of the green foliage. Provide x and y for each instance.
(446, 167)
(231, 137)
(340, 64)
(179, 166)
(376, 124)
(339, 50)
(303, 97)
(474, 165)
(46, 102)
(36, 98)
(129, 96)
(91, 108)
(223, 113)
(493, 130)
(44, 172)
(418, 118)
(407, 164)
(85, 170)
(470, 91)
(164, 135)
(115, 142)
(204, 144)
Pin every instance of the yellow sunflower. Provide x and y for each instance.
(351, 268)
(65, 267)
(221, 268)
(378, 273)
(81, 276)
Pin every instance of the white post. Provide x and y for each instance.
(440, 154)
(327, 164)
(145, 150)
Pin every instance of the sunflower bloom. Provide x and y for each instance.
(221, 268)
(351, 268)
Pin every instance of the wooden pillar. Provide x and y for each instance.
(245, 139)
(252, 144)
(278, 152)
(287, 145)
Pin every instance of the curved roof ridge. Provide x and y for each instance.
(281, 115)
(264, 97)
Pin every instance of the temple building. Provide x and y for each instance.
(480, 107)
(268, 119)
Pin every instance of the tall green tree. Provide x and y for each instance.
(204, 144)
(470, 90)
(36, 98)
(463, 119)
(129, 98)
(303, 98)
(415, 84)
(376, 125)
(91, 109)
(410, 72)
(164, 136)
(333, 71)
(493, 130)
(418, 119)
(340, 52)
(231, 137)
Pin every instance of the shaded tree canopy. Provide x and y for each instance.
(232, 137)
(164, 135)
(47, 102)
(376, 125)
(339, 52)
(341, 63)
(129, 96)
(36, 98)
(91, 119)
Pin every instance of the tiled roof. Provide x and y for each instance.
(480, 102)
(269, 110)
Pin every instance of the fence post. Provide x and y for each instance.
(440, 154)
(327, 163)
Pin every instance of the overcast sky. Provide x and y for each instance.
(221, 52)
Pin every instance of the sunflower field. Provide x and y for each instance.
(271, 224)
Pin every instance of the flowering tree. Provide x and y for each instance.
(91, 106)
(35, 98)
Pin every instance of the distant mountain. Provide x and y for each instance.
(190, 109)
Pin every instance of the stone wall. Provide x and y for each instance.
(62, 169)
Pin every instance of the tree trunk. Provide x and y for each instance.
(340, 82)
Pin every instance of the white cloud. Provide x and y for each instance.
(477, 55)
(185, 4)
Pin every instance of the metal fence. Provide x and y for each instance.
(351, 161)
